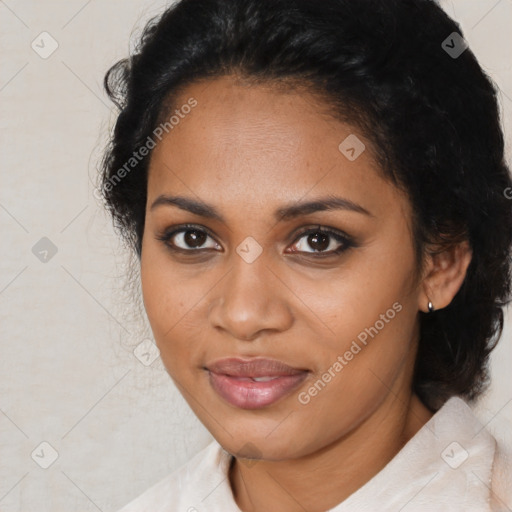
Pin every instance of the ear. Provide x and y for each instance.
(444, 274)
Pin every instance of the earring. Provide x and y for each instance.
(430, 306)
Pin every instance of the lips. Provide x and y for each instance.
(253, 383)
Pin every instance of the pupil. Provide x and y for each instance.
(194, 238)
(318, 241)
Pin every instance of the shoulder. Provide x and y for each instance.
(200, 483)
(501, 483)
(489, 452)
(453, 463)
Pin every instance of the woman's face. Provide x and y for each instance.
(244, 257)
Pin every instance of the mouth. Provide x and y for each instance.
(253, 383)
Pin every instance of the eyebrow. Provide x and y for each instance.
(287, 212)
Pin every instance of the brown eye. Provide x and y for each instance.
(194, 238)
(322, 242)
(189, 239)
(318, 241)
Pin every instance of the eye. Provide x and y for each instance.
(188, 239)
(322, 241)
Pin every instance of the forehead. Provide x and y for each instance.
(261, 142)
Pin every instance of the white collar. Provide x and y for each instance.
(446, 466)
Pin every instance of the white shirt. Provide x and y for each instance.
(452, 464)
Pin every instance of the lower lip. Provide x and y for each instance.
(249, 394)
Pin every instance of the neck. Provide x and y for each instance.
(324, 479)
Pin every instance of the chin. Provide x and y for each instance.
(253, 447)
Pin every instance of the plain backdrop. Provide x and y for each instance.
(73, 395)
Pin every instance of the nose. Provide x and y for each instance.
(250, 301)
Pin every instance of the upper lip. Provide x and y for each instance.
(255, 367)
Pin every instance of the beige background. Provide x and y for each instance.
(68, 374)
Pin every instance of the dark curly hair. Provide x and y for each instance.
(431, 117)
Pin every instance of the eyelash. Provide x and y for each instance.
(345, 241)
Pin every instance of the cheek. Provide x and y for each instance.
(173, 302)
(165, 297)
(353, 299)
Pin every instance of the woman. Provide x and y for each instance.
(316, 192)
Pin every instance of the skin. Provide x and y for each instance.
(249, 151)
